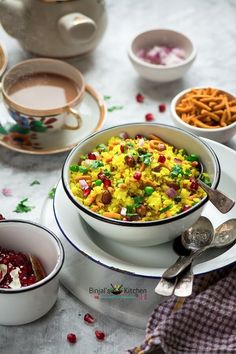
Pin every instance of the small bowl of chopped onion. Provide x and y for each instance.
(161, 55)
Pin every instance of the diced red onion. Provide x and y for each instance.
(124, 135)
(83, 184)
(171, 193)
(123, 211)
(162, 55)
(141, 142)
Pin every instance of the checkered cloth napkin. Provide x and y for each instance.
(205, 322)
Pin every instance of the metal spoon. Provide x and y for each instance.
(225, 234)
(166, 287)
(223, 203)
(196, 237)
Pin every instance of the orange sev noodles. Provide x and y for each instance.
(207, 108)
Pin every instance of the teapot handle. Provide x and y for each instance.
(76, 27)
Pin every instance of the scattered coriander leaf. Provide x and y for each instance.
(114, 108)
(106, 98)
(22, 207)
(51, 194)
(34, 183)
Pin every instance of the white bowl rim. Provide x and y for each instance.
(197, 129)
(136, 223)
(159, 66)
(53, 273)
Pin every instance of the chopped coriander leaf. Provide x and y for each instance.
(206, 180)
(106, 98)
(163, 210)
(147, 161)
(107, 172)
(192, 157)
(22, 207)
(96, 163)
(51, 194)
(114, 108)
(101, 147)
(176, 171)
(34, 183)
(187, 172)
(130, 209)
(137, 201)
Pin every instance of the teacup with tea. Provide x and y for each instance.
(43, 95)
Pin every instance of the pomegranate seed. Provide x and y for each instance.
(137, 175)
(106, 182)
(194, 185)
(149, 117)
(186, 207)
(100, 335)
(71, 337)
(138, 136)
(122, 148)
(161, 159)
(162, 107)
(139, 98)
(101, 176)
(92, 156)
(2, 217)
(89, 318)
(86, 192)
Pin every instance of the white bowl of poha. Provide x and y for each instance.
(137, 183)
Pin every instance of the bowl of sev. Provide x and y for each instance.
(208, 112)
(137, 183)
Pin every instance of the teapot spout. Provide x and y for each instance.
(11, 17)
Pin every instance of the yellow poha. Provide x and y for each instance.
(137, 179)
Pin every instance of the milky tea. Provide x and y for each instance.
(43, 91)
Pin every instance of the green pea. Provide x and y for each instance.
(98, 182)
(148, 190)
(74, 168)
(83, 169)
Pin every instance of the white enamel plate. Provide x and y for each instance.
(146, 261)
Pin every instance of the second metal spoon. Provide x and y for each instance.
(225, 234)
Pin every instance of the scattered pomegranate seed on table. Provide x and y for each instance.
(139, 98)
(100, 335)
(162, 107)
(71, 337)
(89, 318)
(149, 117)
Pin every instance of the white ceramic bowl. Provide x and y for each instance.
(222, 135)
(151, 232)
(161, 37)
(24, 305)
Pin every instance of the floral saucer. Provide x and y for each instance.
(20, 139)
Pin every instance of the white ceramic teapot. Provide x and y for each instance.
(55, 28)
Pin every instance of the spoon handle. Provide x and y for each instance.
(217, 198)
(184, 285)
(181, 264)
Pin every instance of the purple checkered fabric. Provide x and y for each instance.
(203, 323)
